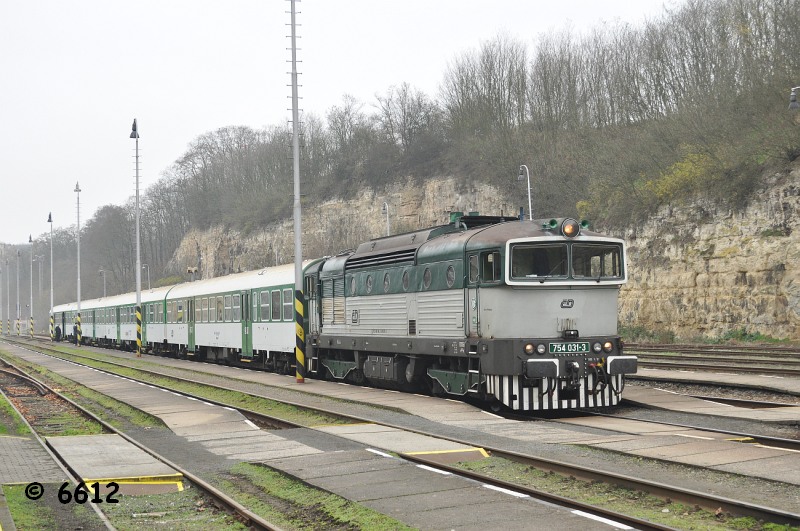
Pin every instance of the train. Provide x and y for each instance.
(515, 314)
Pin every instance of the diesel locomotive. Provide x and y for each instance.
(516, 314)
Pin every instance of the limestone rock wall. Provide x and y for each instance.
(699, 270)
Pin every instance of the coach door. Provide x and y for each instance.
(190, 323)
(247, 325)
(473, 296)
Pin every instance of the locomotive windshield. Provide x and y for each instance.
(580, 261)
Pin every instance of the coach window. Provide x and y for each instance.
(179, 314)
(490, 266)
(220, 309)
(198, 311)
(276, 305)
(212, 310)
(264, 306)
(170, 312)
(205, 310)
(227, 308)
(288, 304)
(237, 308)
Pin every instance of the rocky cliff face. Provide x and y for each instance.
(697, 270)
(335, 225)
(694, 270)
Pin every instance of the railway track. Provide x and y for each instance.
(41, 408)
(745, 359)
(567, 469)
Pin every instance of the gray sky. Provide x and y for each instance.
(74, 74)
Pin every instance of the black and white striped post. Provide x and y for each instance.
(78, 237)
(135, 134)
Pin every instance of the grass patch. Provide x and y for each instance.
(290, 503)
(187, 510)
(47, 513)
(10, 421)
(626, 501)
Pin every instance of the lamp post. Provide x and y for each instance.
(385, 210)
(519, 178)
(18, 253)
(793, 105)
(145, 266)
(8, 302)
(103, 273)
(78, 315)
(299, 301)
(52, 317)
(30, 240)
(135, 135)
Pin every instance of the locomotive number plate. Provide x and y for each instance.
(569, 348)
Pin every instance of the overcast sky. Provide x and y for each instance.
(74, 74)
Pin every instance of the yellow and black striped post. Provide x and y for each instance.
(52, 330)
(17, 326)
(78, 338)
(138, 331)
(31, 328)
(1, 327)
(300, 336)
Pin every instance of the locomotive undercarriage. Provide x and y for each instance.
(488, 370)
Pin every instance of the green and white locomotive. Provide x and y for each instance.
(518, 313)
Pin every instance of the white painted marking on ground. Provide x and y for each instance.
(492, 415)
(507, 491)
(249, 423)
(431, 469)
(378, 452)
(601, 519)
(694, 436)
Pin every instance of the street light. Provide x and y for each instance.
(793, 105)
(145, 266)
(103, 273)
(52, 317)
(78, 316)
(30, 240)
(135, 135)
(18, 253)
(385, 210)
(8, 303)
(519, 179)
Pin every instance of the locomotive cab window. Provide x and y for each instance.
(490, 267)
(538, 261)
(597, 261)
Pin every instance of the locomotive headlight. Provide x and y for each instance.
(529, 349)
(608, 346)
(541, 349)
(570, 228)
(597, 347)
